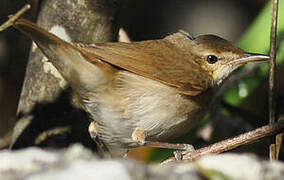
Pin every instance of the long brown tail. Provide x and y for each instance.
(68, 59)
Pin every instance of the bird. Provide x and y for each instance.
(146, 92)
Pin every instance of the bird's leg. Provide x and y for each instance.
(139, 135)
(93, 131)
(178, 154)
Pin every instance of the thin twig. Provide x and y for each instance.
(14, 17)
(272, 116)
(232, 143)
(52, 132)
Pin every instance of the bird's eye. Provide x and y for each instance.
(211, 59)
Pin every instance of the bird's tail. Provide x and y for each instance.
(69, 60)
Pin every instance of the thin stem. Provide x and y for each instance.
(14, 17)
(175, 146)
(272, 116)
(232, 143)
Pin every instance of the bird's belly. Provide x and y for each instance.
(166, 117)
(171, 128)
(136, 101)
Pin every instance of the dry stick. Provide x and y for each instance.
(232, 143)
(58, 130)
(14, 17)
(272, 116)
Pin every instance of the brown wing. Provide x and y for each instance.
(156, 59)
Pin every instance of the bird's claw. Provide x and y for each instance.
(178, 154)
(139, 136)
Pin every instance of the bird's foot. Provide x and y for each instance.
(139, 135)
(178, 154)
(93, 131)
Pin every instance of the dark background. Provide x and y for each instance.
(142, 20)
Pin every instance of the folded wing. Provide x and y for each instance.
(157, 59)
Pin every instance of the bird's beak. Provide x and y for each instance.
(249, 57)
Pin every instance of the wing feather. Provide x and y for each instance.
(155, 59)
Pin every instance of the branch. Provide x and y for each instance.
(232, 143)
(13, 18)
(272, 116)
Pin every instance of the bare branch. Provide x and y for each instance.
(232, 143)
(14, 17)
(272, 116)
(52, 132)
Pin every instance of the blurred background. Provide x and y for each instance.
(148, 19)
(244, 22)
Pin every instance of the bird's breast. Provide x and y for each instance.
(134, 101)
